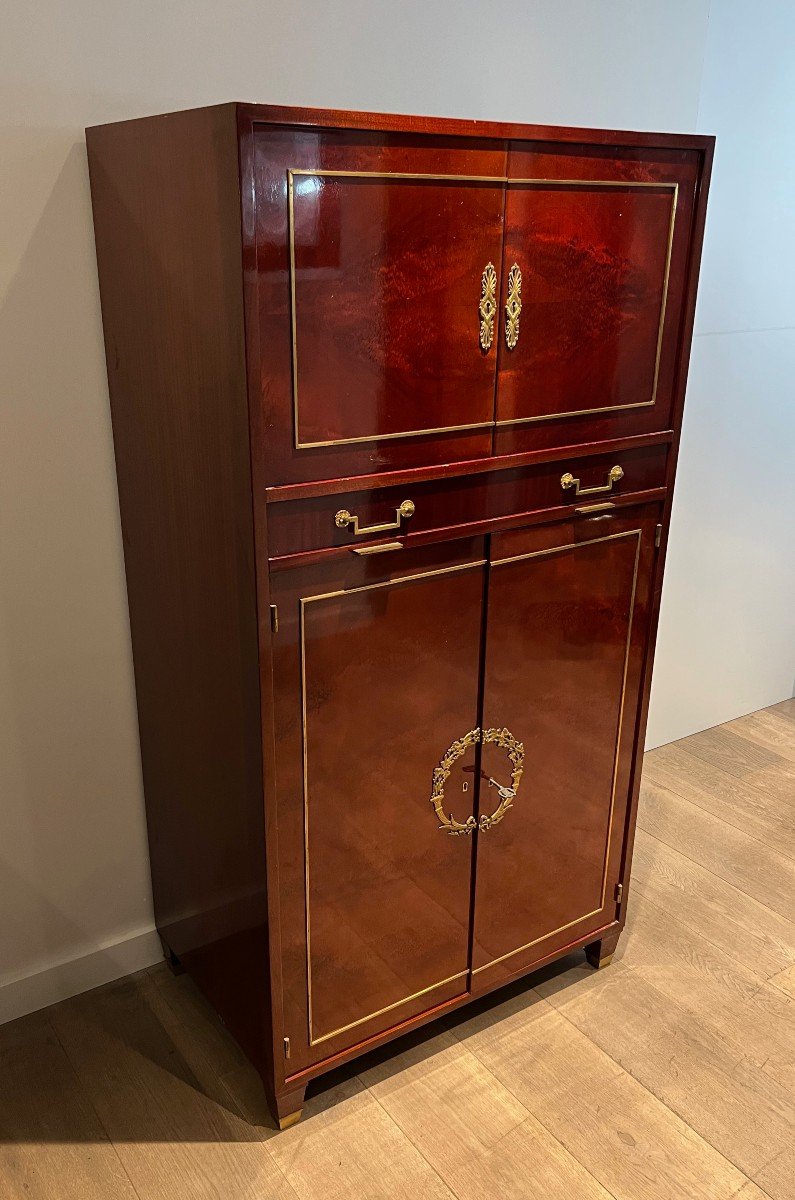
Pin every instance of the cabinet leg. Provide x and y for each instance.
(173, 963)
(600, 954)
(288, 1108)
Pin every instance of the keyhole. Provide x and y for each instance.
(465, 786)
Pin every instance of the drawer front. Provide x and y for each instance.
(365, 518)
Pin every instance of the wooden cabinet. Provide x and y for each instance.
(396, 408)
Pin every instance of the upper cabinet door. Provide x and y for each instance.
(593, 277)
(378, 267)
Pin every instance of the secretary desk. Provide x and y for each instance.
(396, 407)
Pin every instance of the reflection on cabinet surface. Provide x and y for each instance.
(396, 408)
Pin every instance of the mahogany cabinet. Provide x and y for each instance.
(396, 407)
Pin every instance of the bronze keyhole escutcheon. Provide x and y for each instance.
(507, 794)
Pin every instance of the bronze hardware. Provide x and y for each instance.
(274, 618)
(619, 892)
(513, 306)
(404, 510)
(488, 305)
(440, 776)
(381, 548)
(595, 508)
(613, 476)
(515, 749)
(658, 536)
(286, 1047)
(498, 737)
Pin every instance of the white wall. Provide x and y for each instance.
(74, 889)
(727, 629)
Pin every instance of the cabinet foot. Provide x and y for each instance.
(172, 962)
(600, 954)
(288, 1108)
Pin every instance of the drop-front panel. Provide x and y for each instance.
(396, 408)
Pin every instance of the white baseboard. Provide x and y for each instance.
(27, 994)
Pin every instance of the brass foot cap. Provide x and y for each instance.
(291, 1119)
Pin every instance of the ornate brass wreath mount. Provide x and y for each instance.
(497, 737)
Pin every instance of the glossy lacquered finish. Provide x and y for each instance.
(376, 671)
(309, 524)
(396, 407)
(568, 609)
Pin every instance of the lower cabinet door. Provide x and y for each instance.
(565, 638)
(376, 671)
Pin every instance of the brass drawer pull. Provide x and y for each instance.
(595, 508)
(344, 518)
(488, 305)
(513, 306)
(613, 476)
(379, 548)
(507, 795)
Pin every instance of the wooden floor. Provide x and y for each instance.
(669, 1075)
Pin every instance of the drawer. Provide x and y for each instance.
(365, 517)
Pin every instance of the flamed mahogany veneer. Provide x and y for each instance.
(396, 407)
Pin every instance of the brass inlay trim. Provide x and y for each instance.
(292, 172)
(615, 183)
(488, 305)
(304, 601)
(637, 533)
(501, 180)
(380, 548)
(513, 307)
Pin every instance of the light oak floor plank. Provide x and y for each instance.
(737, 858)
(173, 1139)
(668, 1076)
(52, 1142)
(743, 803)
(749, 932)
(635, 1146)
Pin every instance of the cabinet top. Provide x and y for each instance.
(275, 114)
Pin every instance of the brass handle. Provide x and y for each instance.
(379, 548)
(499, 737)
(404, 510)
(613, 476)
(488, 305)
(513, 306)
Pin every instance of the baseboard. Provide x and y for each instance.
(27, 994)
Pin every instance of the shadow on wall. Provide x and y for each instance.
(71, 805)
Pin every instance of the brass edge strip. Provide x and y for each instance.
(388, 437)
(496, 179)
(398, 1003)
(663, 306)
(303, 602)
(582, 412)
(341, 174)
(608, 537)
(619, 731)
(540, 554)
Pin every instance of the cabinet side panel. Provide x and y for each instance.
(167, 218)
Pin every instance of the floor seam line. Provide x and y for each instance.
(696, 863)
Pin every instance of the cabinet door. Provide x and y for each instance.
(376, 667)
(566, 630)
(593, 276)
(373, 259)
